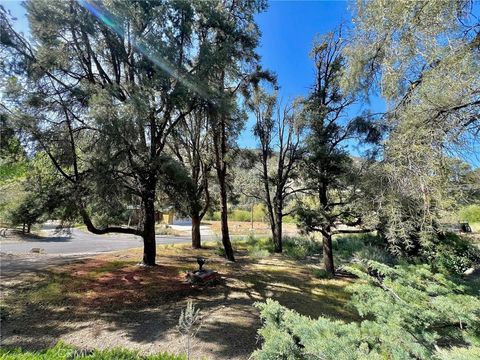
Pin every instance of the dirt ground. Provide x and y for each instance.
(110, 301)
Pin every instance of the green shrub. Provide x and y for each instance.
(240, 215)
(470, 213)
(164, 229)
(300, 247)
(360, 247)
(219, 249)
(64, 352)
(289, 219)
(322, 274)
(259, 247)
(409, 312)
(375, 253)
(212, 215)
(452, 255)
(459, 353)
(259, 253)
(344, 247)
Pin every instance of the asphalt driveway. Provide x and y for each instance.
(57, 248)
(81, 242)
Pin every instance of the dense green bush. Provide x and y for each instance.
(470, 213)
(300, 247)
(64, 352)
(356, 247)
(409, 313)
(453, 254)
(259, 247)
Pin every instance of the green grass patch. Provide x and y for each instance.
(65, 352)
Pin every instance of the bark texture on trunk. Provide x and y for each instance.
(220, 145)
(196, 238)
(328, 252)
(227, 244)
(149, 241)
(278, 233)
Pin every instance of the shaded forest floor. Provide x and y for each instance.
(109, 301)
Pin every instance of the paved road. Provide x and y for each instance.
(16, 257)
(81, 242)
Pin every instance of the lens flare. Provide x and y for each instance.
(105, 17)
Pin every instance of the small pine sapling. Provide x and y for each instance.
(189, 324)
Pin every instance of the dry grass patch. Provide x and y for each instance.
(245, 227)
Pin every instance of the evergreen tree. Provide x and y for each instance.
(103, 85)
(192, 147)
(233, 68)
(424, 58)
(280, 134)
(330, 174)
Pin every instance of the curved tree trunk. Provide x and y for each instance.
(196, 237)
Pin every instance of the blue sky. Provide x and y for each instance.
(288, 30)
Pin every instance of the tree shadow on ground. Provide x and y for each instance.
(142, 305)
(60, 236)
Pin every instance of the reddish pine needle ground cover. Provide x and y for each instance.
(110, 301)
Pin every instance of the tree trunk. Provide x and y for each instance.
(224, 217)
(327, 251)
(149, 242)
(273, 228)
(277, 237)
(196, 238)
(277, 218)
(251, 217)
(29, 227)
(220, 145)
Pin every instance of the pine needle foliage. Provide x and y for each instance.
(408, 312)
